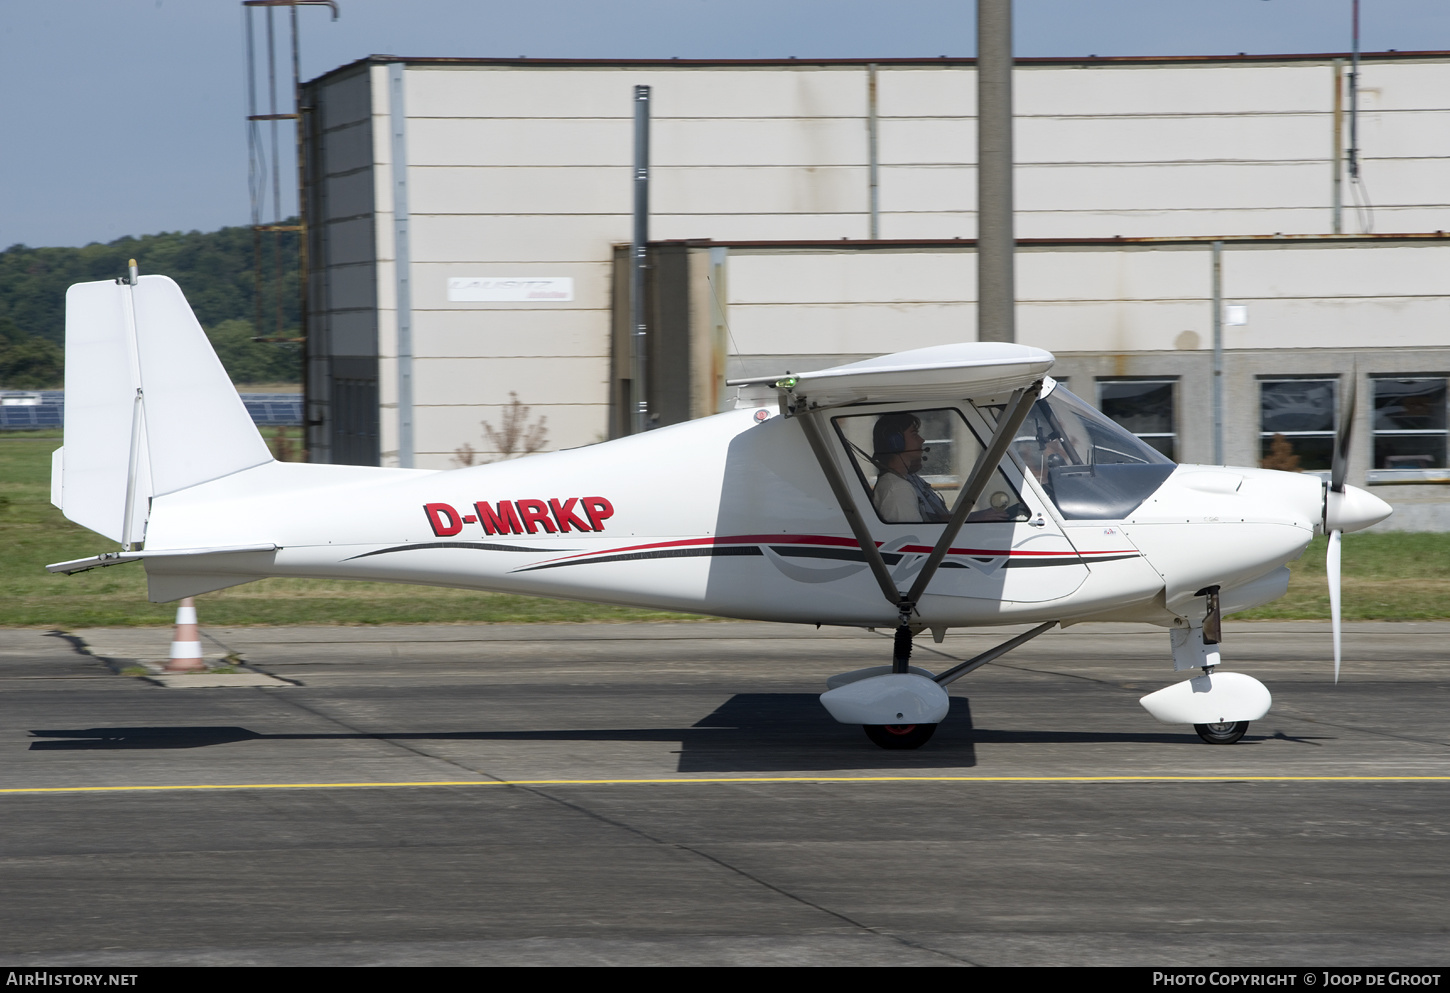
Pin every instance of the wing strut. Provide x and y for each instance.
(905, 603)
(991, 655)
(1012, 418)
(811, 424)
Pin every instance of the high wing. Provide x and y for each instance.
(966, 370)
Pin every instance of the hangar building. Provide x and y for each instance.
(806, 213)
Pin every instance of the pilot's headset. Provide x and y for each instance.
(888, 437)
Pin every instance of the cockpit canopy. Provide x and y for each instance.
(1091, 467)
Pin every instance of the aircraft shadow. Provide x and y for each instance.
(791, 732)
(750, 732)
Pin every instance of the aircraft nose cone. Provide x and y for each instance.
(1353, 510)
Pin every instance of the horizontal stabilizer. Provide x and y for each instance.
(121, 558)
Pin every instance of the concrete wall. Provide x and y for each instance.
(1073, 298)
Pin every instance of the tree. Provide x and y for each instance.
(27, 362)
(249, 361)
(214, 269)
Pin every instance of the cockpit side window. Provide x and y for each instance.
(1090, 467)
(914, 464)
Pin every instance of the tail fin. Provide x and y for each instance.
(149, 410)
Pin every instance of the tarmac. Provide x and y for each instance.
(674, 794)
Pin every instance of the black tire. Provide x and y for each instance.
(900, 735)
(1225, 733)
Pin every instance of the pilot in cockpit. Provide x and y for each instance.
(900, 494)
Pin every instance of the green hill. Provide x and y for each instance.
(214, 269)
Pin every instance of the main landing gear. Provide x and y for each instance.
(900, 735)
(1222, 732)
(900, 705)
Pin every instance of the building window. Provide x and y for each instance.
(1296, 423)
(1145, 407)
(1410, 423)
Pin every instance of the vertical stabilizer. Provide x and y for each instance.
(148, 408)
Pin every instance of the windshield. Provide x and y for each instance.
(1091, 467)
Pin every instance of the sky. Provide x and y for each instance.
(126, 117)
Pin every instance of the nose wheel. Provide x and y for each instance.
(1223, 733)
(900, 735)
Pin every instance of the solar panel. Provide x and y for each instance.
(29, 410)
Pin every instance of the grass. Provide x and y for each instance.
(269, 388)
(1388, 576)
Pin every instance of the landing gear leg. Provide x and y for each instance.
(1212, 701)
(901, 647)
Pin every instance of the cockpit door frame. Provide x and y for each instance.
(987, 461)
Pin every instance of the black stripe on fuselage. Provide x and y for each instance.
(1023, 562)
(481, 546)
(844, 554)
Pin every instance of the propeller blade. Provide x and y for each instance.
(1331, 566)
(1340, 466)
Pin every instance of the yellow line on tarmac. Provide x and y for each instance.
(695, 781)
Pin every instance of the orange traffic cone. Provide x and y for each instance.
(186, 641)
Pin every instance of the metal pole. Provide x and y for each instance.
(303, 277)
(871, 141)
(257, 184)
(402, 263)
(276, 176)
(1354, 100)
(255, 176)
(638, 261)
(1218, 353)
(719, 325)
(996, 291)
(272, 114)
(1336, 155)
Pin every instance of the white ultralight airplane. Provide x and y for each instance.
(952, 486)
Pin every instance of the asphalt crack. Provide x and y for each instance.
(79, 646)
